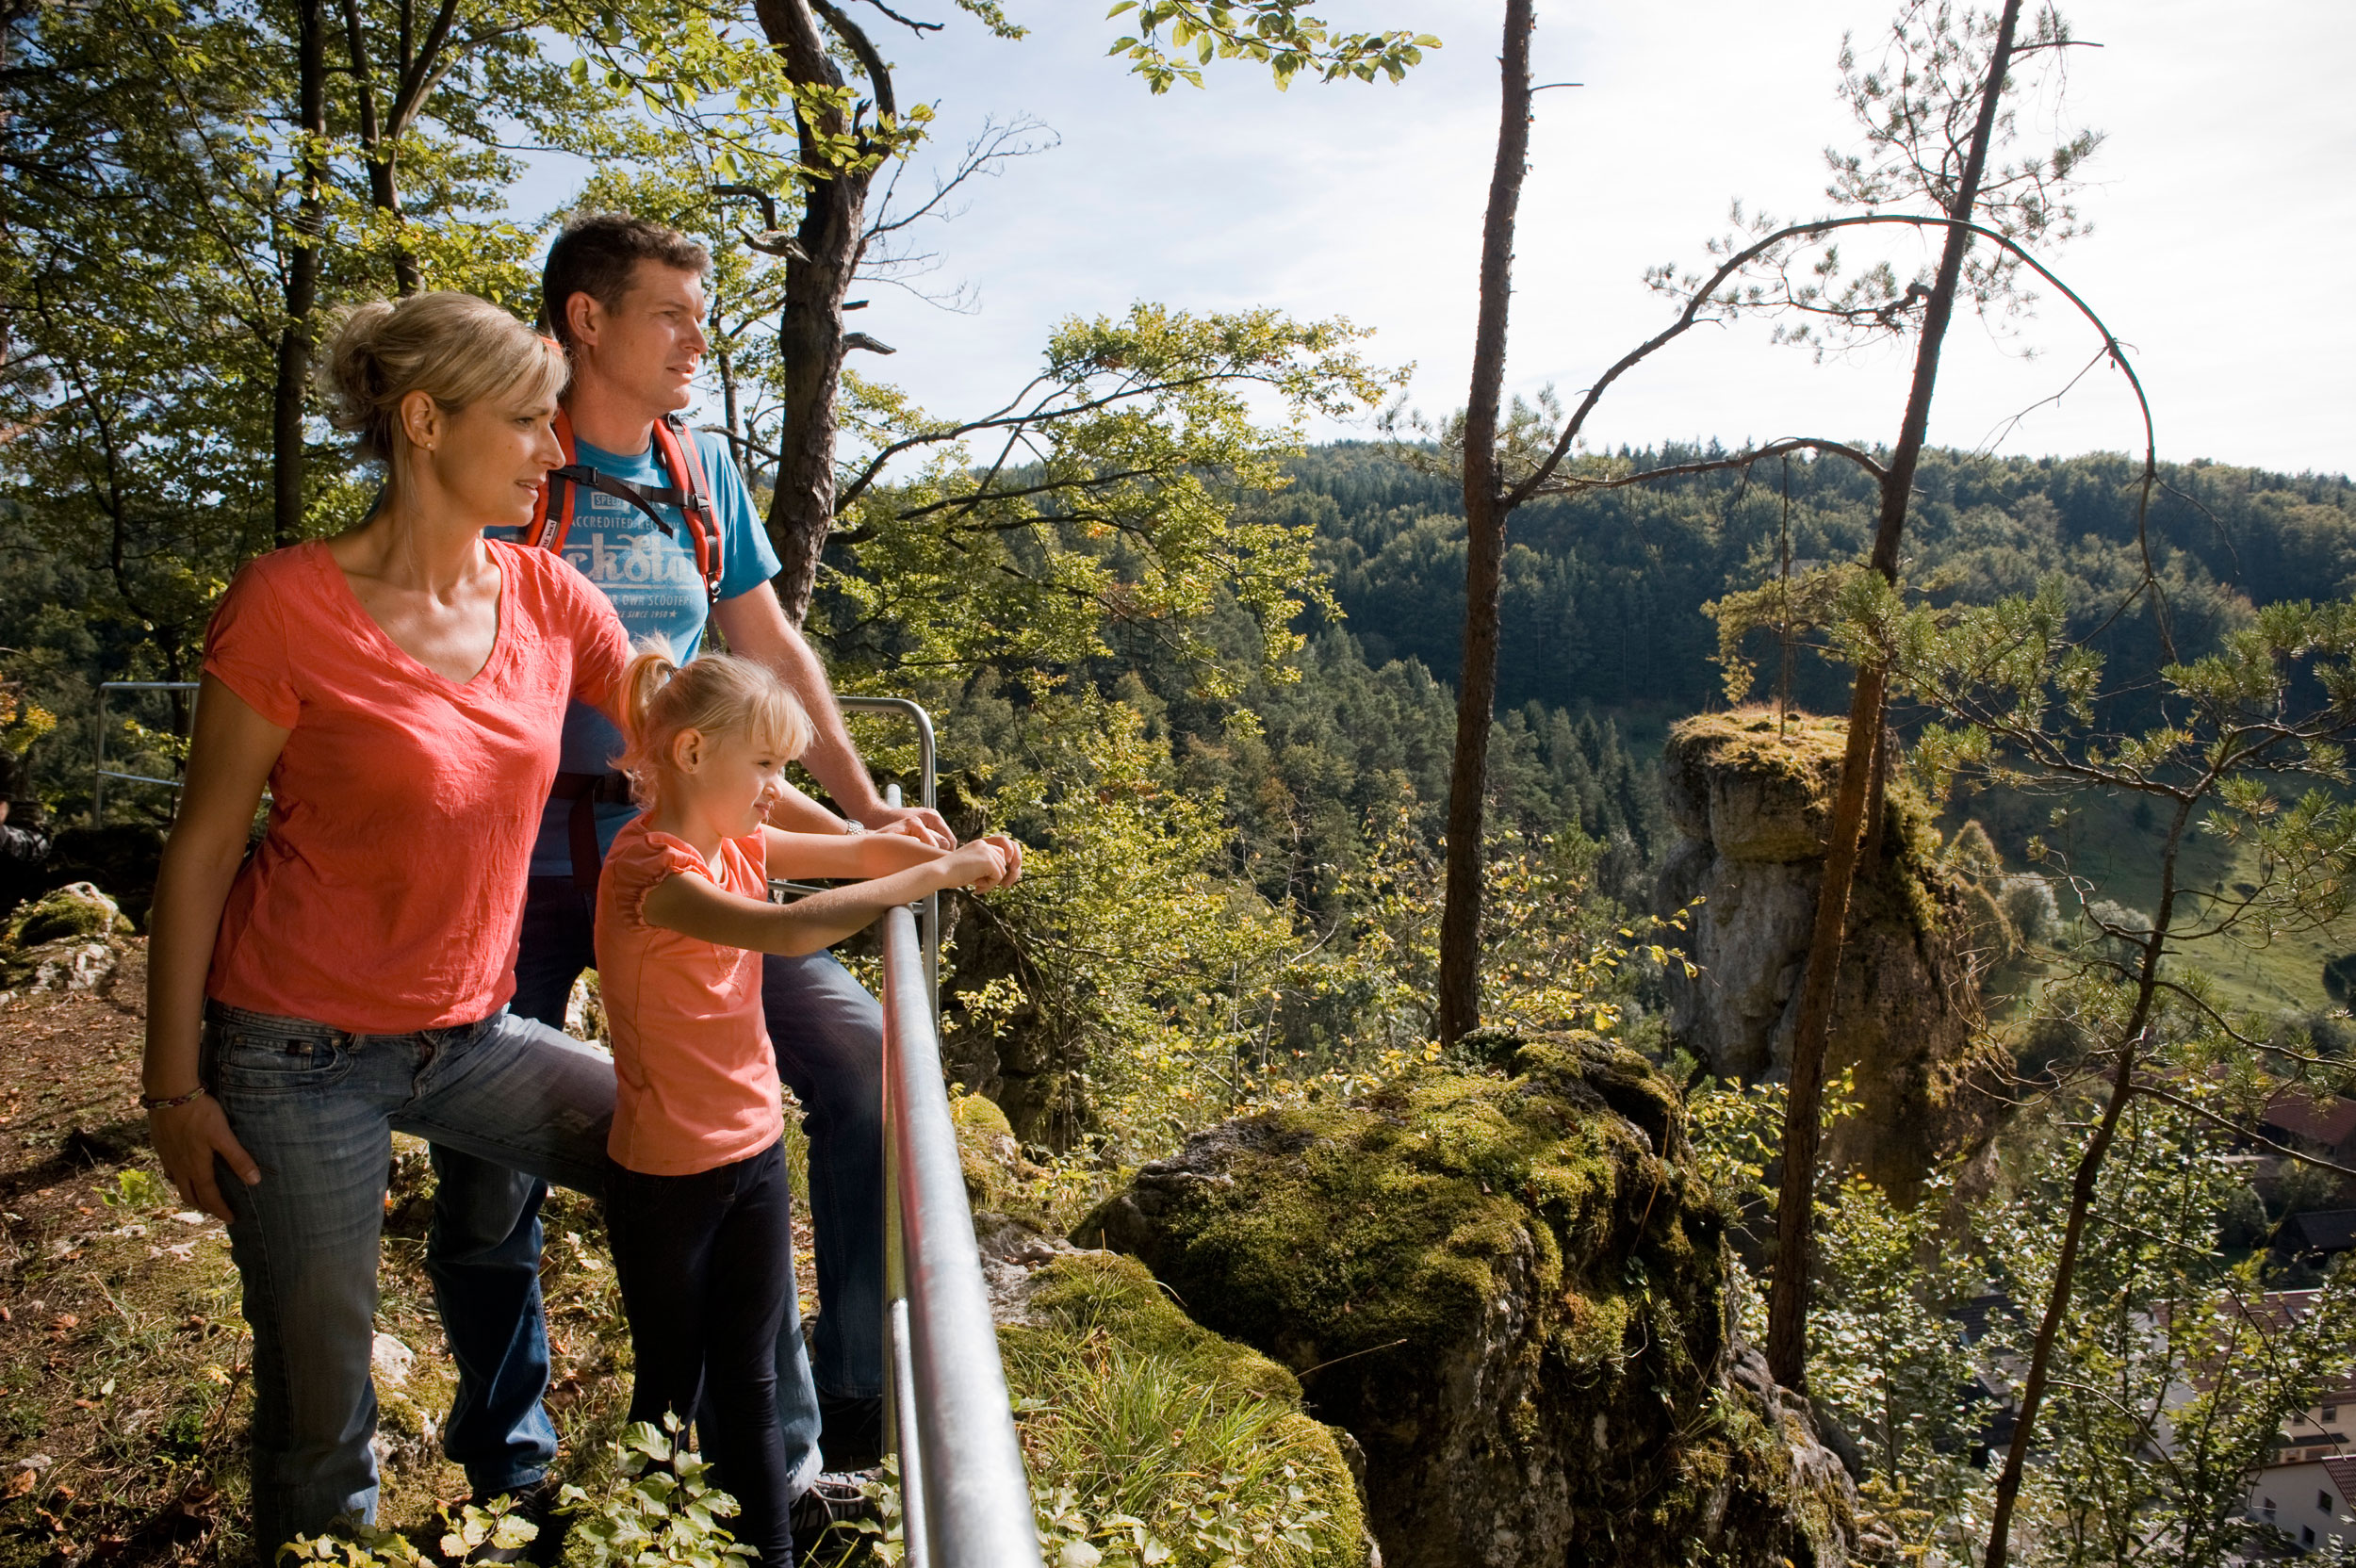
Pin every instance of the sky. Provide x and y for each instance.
(2221, 205)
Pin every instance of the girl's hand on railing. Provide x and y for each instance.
(186, 1138)
(988, 863)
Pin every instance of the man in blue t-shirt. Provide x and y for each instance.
(625, 296)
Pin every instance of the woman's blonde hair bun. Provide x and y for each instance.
(454, 347)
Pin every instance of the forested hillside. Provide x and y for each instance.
(1607, 637)
(1604, 593)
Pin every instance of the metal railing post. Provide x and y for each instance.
(98, 778)
(928, 794)
(966, 1502)
(103, 772)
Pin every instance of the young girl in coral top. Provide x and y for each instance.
(697, 1203)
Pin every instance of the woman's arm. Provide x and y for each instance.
(229, 756)
(694, 907)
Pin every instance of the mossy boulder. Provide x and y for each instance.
(1129, 1408)
(1512, 1289)
(998, 1180)
(66, 940)
(77, 911)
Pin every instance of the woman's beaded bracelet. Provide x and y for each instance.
(153, 1102)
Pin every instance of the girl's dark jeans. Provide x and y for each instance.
(706, 1264)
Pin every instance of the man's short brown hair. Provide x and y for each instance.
(595, 255)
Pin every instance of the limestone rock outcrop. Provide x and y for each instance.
(68, 939)
(1752, 808)
(1511, 1288)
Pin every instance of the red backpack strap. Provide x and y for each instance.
(684, 458)
(547, 532)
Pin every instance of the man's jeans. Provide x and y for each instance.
(316, 1108)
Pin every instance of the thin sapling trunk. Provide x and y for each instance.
(1787, 1303)
(1486, 513)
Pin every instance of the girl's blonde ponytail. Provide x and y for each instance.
(714, 695)
(649, 670)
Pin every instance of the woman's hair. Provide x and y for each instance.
(454, 347)
(713, 695)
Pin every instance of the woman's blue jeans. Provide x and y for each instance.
(315, 1106)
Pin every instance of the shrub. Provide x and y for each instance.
(657, 1506)
(2029, 904)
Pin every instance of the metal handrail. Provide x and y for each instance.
(928, 794)
(965, 1501)
(98, 784)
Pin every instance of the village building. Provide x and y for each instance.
(2309, 1501)
(2325, 1129)
(2307, 1488)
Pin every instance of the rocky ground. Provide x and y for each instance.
(124, 1361)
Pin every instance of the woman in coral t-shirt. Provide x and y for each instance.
(399, 688)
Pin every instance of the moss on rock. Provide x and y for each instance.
(1512, 1291)
(77, 910)
(997, 1178)
(1142, 1412)
(1760, 789)
(63, 940)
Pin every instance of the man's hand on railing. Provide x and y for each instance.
(917, 822)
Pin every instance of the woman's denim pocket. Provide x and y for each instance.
(247, 1063)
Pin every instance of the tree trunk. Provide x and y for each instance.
(376, 149)
(723, 358)
(287, 448)
(2065, 1269)
(1795, 1205)
(833, 235)
(2131, 1039)
(1484, 553)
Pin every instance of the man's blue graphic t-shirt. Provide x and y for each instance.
(652, 579)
